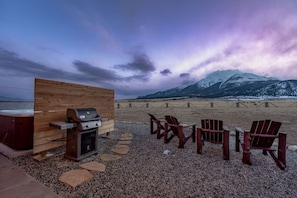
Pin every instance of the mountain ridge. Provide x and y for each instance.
(231, 83)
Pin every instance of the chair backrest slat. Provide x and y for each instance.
(266, 127)
(273, 130)
(172, 120)
(212, 125)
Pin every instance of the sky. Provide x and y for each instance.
(138, 47)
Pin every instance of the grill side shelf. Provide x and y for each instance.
(63, 125)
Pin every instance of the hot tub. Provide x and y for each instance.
(16, 128)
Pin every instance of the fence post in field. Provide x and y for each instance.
(130, 105)
(266, 104)
(118, 105)
(166, 105)
(188, 104)
(237, 104)
(211, 104)
(147, 105)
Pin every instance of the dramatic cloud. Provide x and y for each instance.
(141, 67)
(184, 75)
(141, 63)
(12, 64)
(165, 72)
(96, 73)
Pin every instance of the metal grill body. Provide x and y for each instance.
(82, 140)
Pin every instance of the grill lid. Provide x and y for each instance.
(82, 115)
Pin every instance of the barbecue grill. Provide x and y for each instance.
(82, 140)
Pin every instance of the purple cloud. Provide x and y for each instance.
(184, 75)
(165, 72)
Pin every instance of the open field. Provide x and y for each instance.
(234, 113)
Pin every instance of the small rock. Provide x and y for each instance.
(166, 152)
(292, 148)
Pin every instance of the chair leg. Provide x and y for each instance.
(280, 160)
(181, 137)
(246, 148)
(237, 141)
(152, 126)
(226, 145)
(264, 152)
(199, 141)
(159, 135)
(282, 149)
(166, 133)
(194, 133)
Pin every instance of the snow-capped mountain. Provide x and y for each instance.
(217, 76)
(231, 83)
(240, 79)
(282, 88)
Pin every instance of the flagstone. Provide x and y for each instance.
(75, 177)
(93, 166)
(120, 149)
(127, 135)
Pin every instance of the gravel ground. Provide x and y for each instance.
(147, 172)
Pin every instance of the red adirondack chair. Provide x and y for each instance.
(159, 126)
(183, 131)
(261, 136)
(213, 131)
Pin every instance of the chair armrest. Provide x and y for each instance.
(212, 130)
(264, 135)
(186, 125)
(173, 125)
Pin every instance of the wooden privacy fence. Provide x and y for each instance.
(53, 98)
(208, 104)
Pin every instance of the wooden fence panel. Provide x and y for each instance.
(53, 98)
